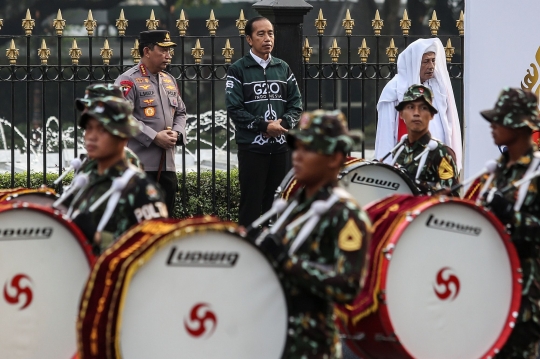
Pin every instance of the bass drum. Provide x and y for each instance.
(44, 263)
(371, 181)
(444, 282)
(191, 289)
(42, 196)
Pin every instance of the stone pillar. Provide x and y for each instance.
(287, 16)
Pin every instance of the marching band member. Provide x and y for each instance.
(427, 160)
(512, 120)
(117, 195)
(320, 241)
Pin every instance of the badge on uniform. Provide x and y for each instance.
(142, 80)
(350, 237)
(152, 192)
(446, 171)
(145, 87)
(150, 111)
(170, 87)
(126, 87)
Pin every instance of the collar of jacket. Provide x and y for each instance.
(523, 161)
(421, 142)
(111, 173)
(322, 194)
(249, 61)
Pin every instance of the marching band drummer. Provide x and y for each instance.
(319, 243)
(108, 124)
(512, 120)
(439, 169)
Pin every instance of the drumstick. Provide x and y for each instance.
(489, 167)
(118, 184)
(432, 145)
(75, 165)
(78, 182)
(403, 138)
(277, 207)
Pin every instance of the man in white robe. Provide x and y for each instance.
(422, 62)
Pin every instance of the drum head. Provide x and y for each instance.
(450, 286)
(373, 181)
(43, 268)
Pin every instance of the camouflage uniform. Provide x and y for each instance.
(440, 169)
(326, 268)
(141, 199)
(515, 109)
(96, 91)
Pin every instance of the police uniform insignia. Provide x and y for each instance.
(446, 171)
(152, 192)
(149, 111)
(149, 101)
(170, 87)
(142, 80)
(167, 37)
(126, 87)
(167, 81)
(350, 237)
(142, 68)
(145, 87)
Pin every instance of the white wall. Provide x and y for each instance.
(501, 41)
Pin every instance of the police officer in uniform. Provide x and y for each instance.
(320, 242)
(93, 92)
(440, 169)
(513, 119)
(159, 108)
(108, 123)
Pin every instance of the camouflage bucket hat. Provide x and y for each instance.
(115, 114)
(324, 132)
(416, 92)
(515, 108)
(97, 90)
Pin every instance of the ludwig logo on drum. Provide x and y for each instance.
(20, 289)
(199, 315)
(446, 225)
(202, 259)
(25, 233)
(446, 292)
(375, 182)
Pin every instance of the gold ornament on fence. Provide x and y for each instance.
(90, 24)
(152, 23)
(449, 51)
(135, 52)
(460, 24)
(405, 23)
(44, 52)
(364, 52)
(75, 53)
(348, 23)
(182, 24)
(197, 52)
(28, 23)
(377, 24)
(307, 51)
(320, 23)
(121, 24)
(106, 52)
(391, 52)
(434, 24)
(241, 23)
(59, 23)
(227, 52)
(212, 24)
(334, 51)
(12, 53)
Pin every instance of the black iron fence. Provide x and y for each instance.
(41, 75)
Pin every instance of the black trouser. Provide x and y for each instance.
(169, 184)
(259, 176)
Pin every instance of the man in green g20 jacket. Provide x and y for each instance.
(263, 101)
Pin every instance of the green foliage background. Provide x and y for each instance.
(195, 204)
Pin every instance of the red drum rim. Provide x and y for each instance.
(59, 217)
(394, 235)
(8, 194)
(118, 264)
